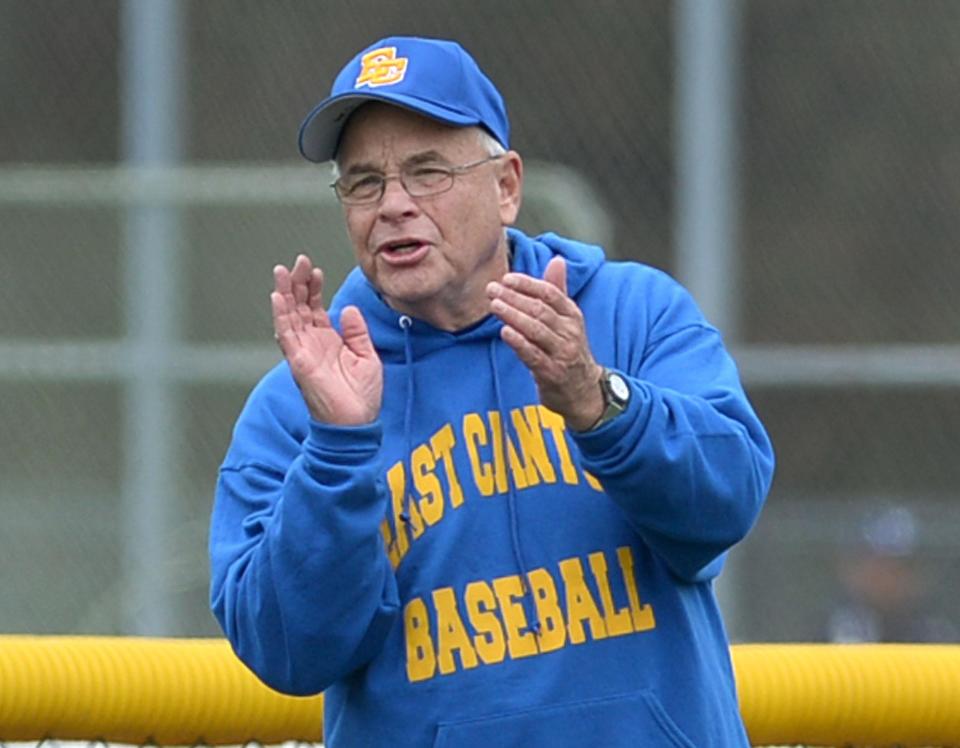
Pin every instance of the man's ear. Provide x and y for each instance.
(510, 183)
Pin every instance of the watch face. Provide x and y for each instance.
(618, 387)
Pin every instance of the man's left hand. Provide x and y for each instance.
(545, 327)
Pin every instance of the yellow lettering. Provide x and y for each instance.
(554, 422)
(427, 484)
(442, 444)
(592, 481)
(421, 662)
(553, 632)
(475, 433)
(507, 590)
(580, 603)
(395, 479)
(499, 463)
(451, 633)
(641, 615)
(490, 621)
(617, 621)
(489, 642)
(532, 446)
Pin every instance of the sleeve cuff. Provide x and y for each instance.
(595, 442)
(345, 446)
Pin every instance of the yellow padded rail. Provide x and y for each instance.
(133, 690)
(855, 694)
(192, 691)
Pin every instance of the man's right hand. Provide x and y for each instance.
(340, 376)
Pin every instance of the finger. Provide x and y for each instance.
(302, 268)
(355, 334)
(300, 284)
(556, 274)
(281, 279)
(284, 331)
(287, 304)
(315, 299)
(539, 289)
(315, 289)
(536, 331)
(533, 357)
(532, 306)
(300, 278)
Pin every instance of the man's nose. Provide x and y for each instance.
(396, 201)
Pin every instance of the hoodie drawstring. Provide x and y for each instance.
(529, 606)
(406, 323)
(528, 603)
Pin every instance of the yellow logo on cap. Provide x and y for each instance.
(381, 67)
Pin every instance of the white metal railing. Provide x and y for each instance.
(770, 366)
(548, 186)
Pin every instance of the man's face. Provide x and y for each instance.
(430, 257)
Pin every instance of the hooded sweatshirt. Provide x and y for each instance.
(465, 571)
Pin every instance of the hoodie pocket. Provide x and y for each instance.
(635, 719)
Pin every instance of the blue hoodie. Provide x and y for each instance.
(465, 571)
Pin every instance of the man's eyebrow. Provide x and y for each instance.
(364, 167)
(423, 157)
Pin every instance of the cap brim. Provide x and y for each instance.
(320, 131)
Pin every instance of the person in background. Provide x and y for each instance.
(885, 594)
(484, 498)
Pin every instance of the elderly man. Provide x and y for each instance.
(483, 499)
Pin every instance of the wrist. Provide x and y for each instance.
(591, 408)
(615, 397)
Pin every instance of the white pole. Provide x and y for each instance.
(151, 100)
(707, 192)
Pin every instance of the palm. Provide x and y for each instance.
(339, 373)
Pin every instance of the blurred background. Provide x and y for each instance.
(795, 162)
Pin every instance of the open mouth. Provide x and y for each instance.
(402, 248)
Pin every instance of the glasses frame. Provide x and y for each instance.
(453, 173)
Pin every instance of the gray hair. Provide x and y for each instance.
(490, 144)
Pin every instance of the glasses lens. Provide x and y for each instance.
(359, 189)
(423, 180)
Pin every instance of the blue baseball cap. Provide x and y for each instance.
(433, 77)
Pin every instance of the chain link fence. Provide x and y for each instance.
(849, 186)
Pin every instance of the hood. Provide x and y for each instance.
(530, 256)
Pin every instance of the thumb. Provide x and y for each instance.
(356, 336)
(556, 274)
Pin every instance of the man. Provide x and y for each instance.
(483, 500)
(885, 592)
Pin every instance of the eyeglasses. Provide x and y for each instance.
(419, 180)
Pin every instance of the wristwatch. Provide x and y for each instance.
(616, 396)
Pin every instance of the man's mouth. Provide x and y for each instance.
(403, 251)
(402, 248)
